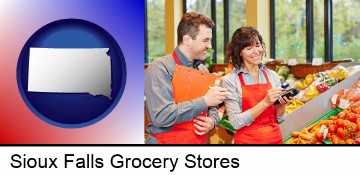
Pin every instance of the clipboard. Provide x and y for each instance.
(189, 84)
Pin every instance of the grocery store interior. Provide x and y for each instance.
(313, 45)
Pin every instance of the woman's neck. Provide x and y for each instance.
(252, 69)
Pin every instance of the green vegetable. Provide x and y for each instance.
(320, 74)
(331, 81)
(283, 71)
(324, 78)
(277, 68)
(282, 78)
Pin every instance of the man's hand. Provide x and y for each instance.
(215, 95)
(203, 125)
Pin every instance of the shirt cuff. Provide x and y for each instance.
(281, 118)
(200, 105)
(215, 124)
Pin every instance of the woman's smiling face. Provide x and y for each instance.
(252, 54)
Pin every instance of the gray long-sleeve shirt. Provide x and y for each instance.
(237, 117)
(161, 109)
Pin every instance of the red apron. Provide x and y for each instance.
(182, 133)
(264, 130)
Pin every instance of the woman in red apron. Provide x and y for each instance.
(253, 90)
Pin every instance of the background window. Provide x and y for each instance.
(346, 29)
(199, 6)
(155, 26)
(155, 29)
(290, 30)
(220, 31)
(319, 29)
(237, 15)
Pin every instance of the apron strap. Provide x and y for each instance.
(176, 58)
(242, 82)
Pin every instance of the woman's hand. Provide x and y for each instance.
(280, 108)
(284, 101)
(272, 95)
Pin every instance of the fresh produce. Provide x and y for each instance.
(342, 73)
(282, 78)
(283, 72)
(357, 141)
(310, 134)
(331, 81)
(322, 87)
(350, 117)
(309, 79)
(294, 104)
(342, 129)
(301, 85)
(311, 93)
(347, 96)
(332, 74)
(321, 77)
(355, 108)
(319, 136)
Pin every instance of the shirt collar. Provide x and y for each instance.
(184, 60)
(241, 69)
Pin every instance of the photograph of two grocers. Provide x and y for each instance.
(252, 72)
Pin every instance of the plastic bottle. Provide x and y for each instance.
(285, 85)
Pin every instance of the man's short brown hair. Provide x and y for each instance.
(189, 25)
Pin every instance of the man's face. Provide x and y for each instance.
(201, 43)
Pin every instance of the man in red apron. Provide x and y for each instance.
(253, 89)
(185, 122)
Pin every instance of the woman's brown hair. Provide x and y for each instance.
(242, 38)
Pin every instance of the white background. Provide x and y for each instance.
(260, 160)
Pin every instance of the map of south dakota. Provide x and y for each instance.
(68, 70)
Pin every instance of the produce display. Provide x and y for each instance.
(342, 128)
(315, 84)
(346, 96)
(339, 126)
(294, 104)
(283, 72)
(309, 135)
(345, 127)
